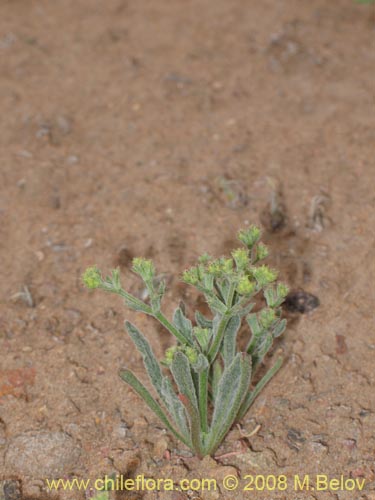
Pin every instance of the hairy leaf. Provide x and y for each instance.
(216, 377)
(141, 390)
(230, 395)
(202, 321)
(201, 363)
(279, 329)
(181, 372)
(230, 337)
(262, 348)
(183, 324)
(149, 360)
(174, 406)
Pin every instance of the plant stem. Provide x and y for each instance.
(159, 315)
(215, 347)
(195, 427)
(141, 390)
(132, 301)
(203, 391)
(231, 293)
(168, 325)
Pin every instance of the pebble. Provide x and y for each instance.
(42, 454)
(10, 490)
(72, 160)
(39, 255)
(161, 446)
(126, 462)
(25, 154)
(64, 124)
(220, 472)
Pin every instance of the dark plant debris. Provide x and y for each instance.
(301, 302)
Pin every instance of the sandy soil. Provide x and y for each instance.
(160, 128)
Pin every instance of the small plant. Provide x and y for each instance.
(212, 377)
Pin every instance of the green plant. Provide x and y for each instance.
(212, 377)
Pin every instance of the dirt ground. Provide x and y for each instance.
(158, 129)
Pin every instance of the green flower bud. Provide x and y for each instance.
(169, 355)
(245, 286)
(92, 277)
(144, 267)
(249, 236)
(226, 265)
(262, 251)
(191, 276)
(264, 275)
(220, 267)
(214, 268)
(267, 317)
(241, 258)
(191, 354)
(282, 290)
(204, 259)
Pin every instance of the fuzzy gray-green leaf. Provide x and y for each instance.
(257, 333)
(279, 329)
(215, 303)
(181, 372)
(231, 392)
(202, 321)
(217, 372)
(174, 406)
(262, 348)
(136, 304)
(183, 324)
(230, 337)
(149, 360)
(201, 364)
(254, 325)
(141, 390)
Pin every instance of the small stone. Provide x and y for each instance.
(295, 439)
(126, 462)
(10, 490)
(341, 347)
(220, 472)
(72, 160)
(42, 454)
(15, 382)
(260, 460)
(88, 243)
(161, 446)
(217, 85)
(351, 444)
(64, 124)
(206, 495)
(140, 424)
(39, 255)
(25, 154)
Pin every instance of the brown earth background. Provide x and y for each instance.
(158, 129)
